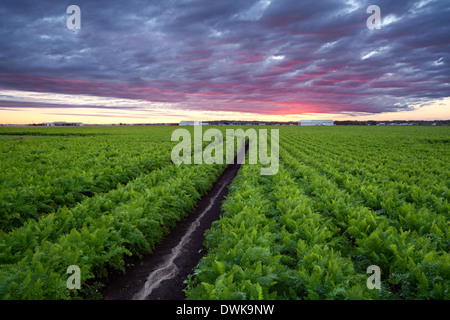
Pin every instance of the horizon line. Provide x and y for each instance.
(209, 121)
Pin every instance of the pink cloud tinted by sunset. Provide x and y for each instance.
(260, 57)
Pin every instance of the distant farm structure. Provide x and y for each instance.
(190, 123)
(62, 124)
(316, 123)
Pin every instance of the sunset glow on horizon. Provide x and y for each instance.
(262, 60)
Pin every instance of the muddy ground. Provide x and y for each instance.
(160, 275)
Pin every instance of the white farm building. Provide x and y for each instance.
(62, 123)
(190, 123)
(316, 123)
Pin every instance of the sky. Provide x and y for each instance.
(275, 60)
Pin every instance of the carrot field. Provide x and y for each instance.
(343, 199)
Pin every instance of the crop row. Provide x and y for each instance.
(271, 244)
(414, 265)
(99, 232)
(39, 176)
(304, 234)
(427, 218)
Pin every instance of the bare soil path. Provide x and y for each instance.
(160, 275)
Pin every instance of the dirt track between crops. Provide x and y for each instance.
(160, 275)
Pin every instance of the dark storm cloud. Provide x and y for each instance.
(266, 57)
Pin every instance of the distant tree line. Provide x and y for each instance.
(393, 122)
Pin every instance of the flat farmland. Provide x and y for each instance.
(343, 199)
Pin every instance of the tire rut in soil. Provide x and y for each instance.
(160, 275)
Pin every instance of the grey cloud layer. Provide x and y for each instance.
(263, 56)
